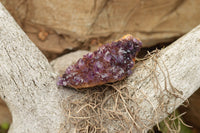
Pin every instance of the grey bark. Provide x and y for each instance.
(28, 83)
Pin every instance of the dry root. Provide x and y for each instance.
(114, 108)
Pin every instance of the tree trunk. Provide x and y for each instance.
(28, 83)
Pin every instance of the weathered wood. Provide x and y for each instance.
(174, 79)
(28, 84)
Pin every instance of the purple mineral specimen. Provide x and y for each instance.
(110, 63)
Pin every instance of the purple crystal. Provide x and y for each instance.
(81, 63)
(107, 56)
(110, 63)
(99, 65)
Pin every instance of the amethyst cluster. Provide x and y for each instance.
(110, 63)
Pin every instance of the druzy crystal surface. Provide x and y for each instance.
(110, 63)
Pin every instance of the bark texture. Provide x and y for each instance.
(28, 83)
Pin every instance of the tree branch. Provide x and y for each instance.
(28, 84)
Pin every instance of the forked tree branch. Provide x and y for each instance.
(28, 84)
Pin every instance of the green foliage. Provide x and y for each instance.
(4, 127)
(174, 124)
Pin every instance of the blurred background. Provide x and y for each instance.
(59, 27)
